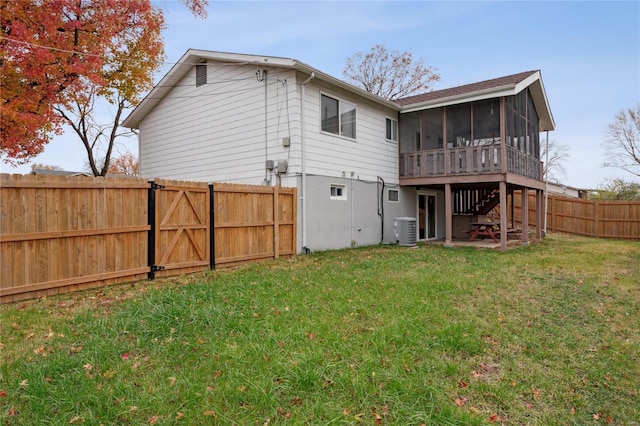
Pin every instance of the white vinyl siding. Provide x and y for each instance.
(370, 156)
(216, 132)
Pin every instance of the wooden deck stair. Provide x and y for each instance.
(468, 202)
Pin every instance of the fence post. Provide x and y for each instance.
(596, 207)
(151, 236)
(212, 231)
(276, 223)
(551, 208)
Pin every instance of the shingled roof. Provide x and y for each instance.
(509, 80)
(498, 87)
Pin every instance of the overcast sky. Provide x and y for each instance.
(588, 53)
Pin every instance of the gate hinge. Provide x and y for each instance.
(156, 185)
(156, 268)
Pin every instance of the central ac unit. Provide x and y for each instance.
(404, 230)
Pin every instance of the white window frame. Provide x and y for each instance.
(397, 191)
(394, 138)
(341, 102)
(340, 192)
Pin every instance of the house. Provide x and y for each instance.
(557, 188)
(358, 161)
(51, 172)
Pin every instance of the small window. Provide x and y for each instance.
(393, 195)
(392, 130)
(338, 192)
(338, 117)
(201, 74)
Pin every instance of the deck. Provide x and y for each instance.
(465, 161)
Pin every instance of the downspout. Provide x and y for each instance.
(303, 158)
(546, 187)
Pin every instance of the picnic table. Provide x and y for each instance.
(484, 229)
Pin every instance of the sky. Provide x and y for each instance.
(588, 54)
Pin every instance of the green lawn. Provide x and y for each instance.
(546, 334)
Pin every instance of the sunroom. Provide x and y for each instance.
(476, 144)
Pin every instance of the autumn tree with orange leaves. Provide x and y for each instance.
(125, 164)
(60, 58)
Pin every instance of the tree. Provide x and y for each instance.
(60, 57)
(125, 164)
(617, 189)
(39, 166)
(622, 146)
(553, 164)
(390, 75)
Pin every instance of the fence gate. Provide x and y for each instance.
(181, 227)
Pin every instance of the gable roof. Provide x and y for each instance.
(194, 56)
(503, 86)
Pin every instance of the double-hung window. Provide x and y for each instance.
(338, 117)
(392, 130)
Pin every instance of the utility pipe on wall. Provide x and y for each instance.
(303, 153)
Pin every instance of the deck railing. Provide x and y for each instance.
(470, 160)
(521, 163)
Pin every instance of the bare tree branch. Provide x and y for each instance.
(390, 75)
(622, 145)
(553, 164)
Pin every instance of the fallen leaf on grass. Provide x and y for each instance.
(210, 413)
(460, 402)
(153, 420)
(573, 410)
(172, 381)
(76, 420)
(125, 356)
(179, 416)
(462, 384)
(494, 418)
(3, 393)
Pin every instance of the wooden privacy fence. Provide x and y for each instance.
(605, 219)
(68, 233)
